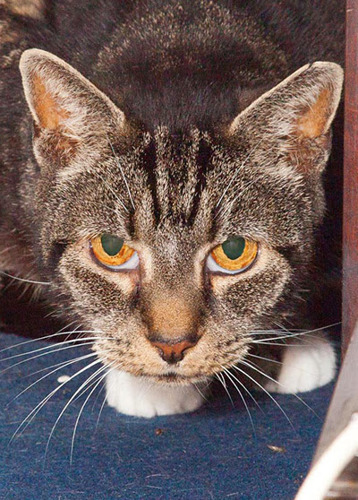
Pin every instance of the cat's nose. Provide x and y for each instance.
(173, 352)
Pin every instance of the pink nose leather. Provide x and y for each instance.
(173, 353)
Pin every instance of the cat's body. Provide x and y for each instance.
(165, 158)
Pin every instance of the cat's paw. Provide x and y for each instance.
(140, 397)
(305, 367)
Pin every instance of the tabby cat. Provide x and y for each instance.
(161, 179)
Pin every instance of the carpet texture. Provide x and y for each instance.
(212, 453)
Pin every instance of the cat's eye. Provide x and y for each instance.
(233, 256)
(112, 252)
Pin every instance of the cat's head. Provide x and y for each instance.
(177, 247)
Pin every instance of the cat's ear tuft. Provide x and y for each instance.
(67, 109)
(295, 116)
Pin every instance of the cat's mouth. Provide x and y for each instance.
(175, 378)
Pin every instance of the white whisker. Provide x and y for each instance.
(100, 410)
(59, 333)
(122, 173)
(97, 382)
(62, 365)
(85, 383)
(263, 358)
(28, 419)
(54, 349)
(238, 171)
(221, 379)
(47, 283)
(243, 386)
(266, 392)
(200, 392)
(253, 367)
(53, 346)
(232, 380)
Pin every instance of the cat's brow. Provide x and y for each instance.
(238, 171)
(122, 173)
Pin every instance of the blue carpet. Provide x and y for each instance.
(210, 454)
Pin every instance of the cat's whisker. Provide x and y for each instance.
(253, 367)
(238, 171)
(29, 418)
(273, 333)
(232, 380)
(223, 213)
(266, 392)
(99, 393)
(200, 392)
(103, 402)
(59, 333)
(34, 282)
(304, 339)
(61, 364)
(78, 331)
(80, 394)
(53, 345)
(221, 379)
(64, 329)
(117, 198)
(57, 367)
(227, 371)
(263, 358)
(85, 383)
(282, 337)
(55, 348)
(101, 409)
(292, 331)
(262, 332)
(122, 173)
(282, 344)
(96, 384)
(107, 207)
(318, 329)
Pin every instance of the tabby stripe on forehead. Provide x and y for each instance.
(148, 164)
(204, 166)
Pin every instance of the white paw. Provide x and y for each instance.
(305, 367)
(141, 397)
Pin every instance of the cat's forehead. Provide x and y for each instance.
(180, 192)
(203, 188)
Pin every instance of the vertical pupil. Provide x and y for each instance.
(111, 244)
(234, 248)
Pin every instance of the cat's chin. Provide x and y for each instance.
(144, 397)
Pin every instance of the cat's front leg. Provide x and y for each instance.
(141, 397)
(307, 363)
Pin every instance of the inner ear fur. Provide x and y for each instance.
(314, 121)
(62, 101)
(296, 115)
(47, 111)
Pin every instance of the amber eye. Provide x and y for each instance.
(233, 256)
(112, 252)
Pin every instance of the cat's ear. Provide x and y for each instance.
(69, 112)
(293, 119)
